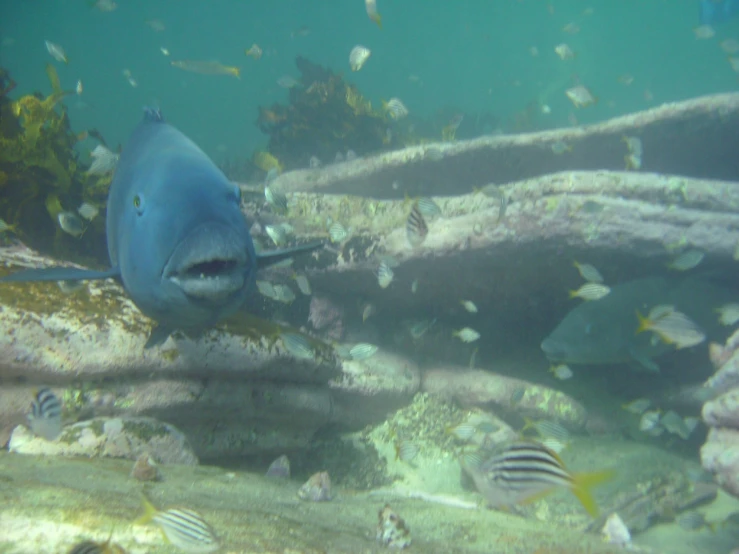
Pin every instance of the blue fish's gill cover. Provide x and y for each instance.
(177, 238)
(604, 331)
(713, 12)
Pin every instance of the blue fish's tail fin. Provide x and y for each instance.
(713, 13)
(266, 259)
(153, 114)
(60, 274)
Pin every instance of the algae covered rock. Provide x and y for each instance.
(110, 438)
(691, 138)
(504, 394)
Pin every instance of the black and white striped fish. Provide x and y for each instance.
(184, 528)
(527, 470)
(45, 418)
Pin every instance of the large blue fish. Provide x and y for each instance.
(177, 239)
(713, 12)
(604, 331)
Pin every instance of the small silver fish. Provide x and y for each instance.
(428, 207)
(71, 223)
(687, 260)
(314, 162)
(580, 96)
(464, 431)
(358, 56)
(546, 428)
(45, 418)
(57, 52)
(337, 232)
(672, 326)
(649, 421)
(588, 272)
(88, 211)
(591, 291)
(469, 305)
(206, 67)
(396, 109)
(298, 345)
(370, 7)
(303, 284)
(406, 451)
(275, 199)
(103, 160)
(638, 406)
(384, 275)
(362, 351)
(728, 314)
(184, 528)
(562, 372)
(466, 334)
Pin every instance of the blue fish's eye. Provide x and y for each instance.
(138, 203)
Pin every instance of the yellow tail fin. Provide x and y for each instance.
(149, 512)
(583, 482)
(644, 323)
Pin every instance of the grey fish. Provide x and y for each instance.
(177, 239)
(603, 331)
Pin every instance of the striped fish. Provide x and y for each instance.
(184, 528)
(45, 418)
(415, 227)
(525, 471)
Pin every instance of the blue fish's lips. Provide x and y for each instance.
(210, 264)
(553, 350)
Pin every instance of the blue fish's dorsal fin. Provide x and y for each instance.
(153, 114)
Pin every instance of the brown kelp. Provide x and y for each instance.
(41, 174)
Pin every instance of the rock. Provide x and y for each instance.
(690, 138)
(371, 387)
(503, 394)
(720, 453)
(720, 456)
(723, 411)
(110, 438)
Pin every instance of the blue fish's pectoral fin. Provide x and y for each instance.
(60, 274)
(642, 361)
(266, 259)
(159, 335)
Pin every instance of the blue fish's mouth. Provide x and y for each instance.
(552, 350)
(209, 264)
